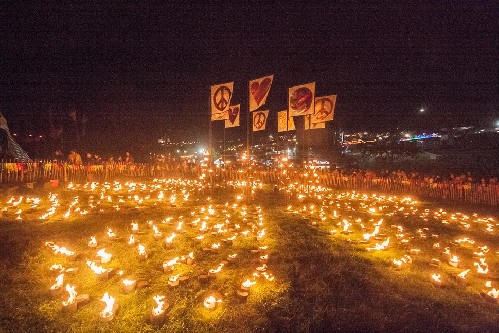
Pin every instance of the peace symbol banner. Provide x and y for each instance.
(221, 94)
(259, 120)
(301, 100)
(324, 109)
(310, 126)
(285, 123)
(234, 116)
(258, 91)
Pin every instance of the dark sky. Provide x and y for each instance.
(140, 70)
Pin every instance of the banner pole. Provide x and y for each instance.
(210, 149)
(223, 167)
(248, 155)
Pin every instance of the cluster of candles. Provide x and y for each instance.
(359, 219)
(211, 230)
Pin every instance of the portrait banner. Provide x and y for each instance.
(301, 100)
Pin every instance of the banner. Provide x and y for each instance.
(234, 115)
(221, 94)
(301, 100)
(282, 126)
(259, 120)
(324, 109)
(311, 126)
(258, 91)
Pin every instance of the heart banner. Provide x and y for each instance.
(258, 91)
(234, 116)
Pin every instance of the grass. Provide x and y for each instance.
(323, 282)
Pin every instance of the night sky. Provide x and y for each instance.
(138, 71)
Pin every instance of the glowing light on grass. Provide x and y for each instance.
(179, 226)
(131, 240)
(142, 250)
(92, 242)
(59, 280)
(482, 267)
(217, 270)
(159, 307)
(108, 310)
(169, 239)
(57, 249)
(454, 261)
(97, 269)
(57, 267)
(110, 233)
(247, 284)
(105, 257)
(494, 293)
(436, 279)
(381, 246)
(173, 280)
(127, 282)
(170, 263)
(462, 275)
(72, 295)
(211, 302)
(157, 233)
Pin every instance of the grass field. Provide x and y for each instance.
(321, 274)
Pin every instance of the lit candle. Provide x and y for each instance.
(211, 302)
(70, 304)
(159, 310)
(104, 256)
(129, 285)
(109, 310)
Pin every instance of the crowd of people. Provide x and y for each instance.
(75, 158)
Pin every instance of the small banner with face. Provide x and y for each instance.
(258, 91)
(310, 126)
(234, 115)
(301, 100)
(282, 126)
(324, 109)
(260, 120)
(221, 94)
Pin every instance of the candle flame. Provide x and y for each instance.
(159, 308)
(108, 310)
(72, 295)
(59, 280)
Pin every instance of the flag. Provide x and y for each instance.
(259, 120)
(301, 99)
(234, 115)
(282, 126)
(221, 94)
(311, 126)
(324, 109)
(258, 91)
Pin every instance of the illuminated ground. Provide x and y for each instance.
(336, 261)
